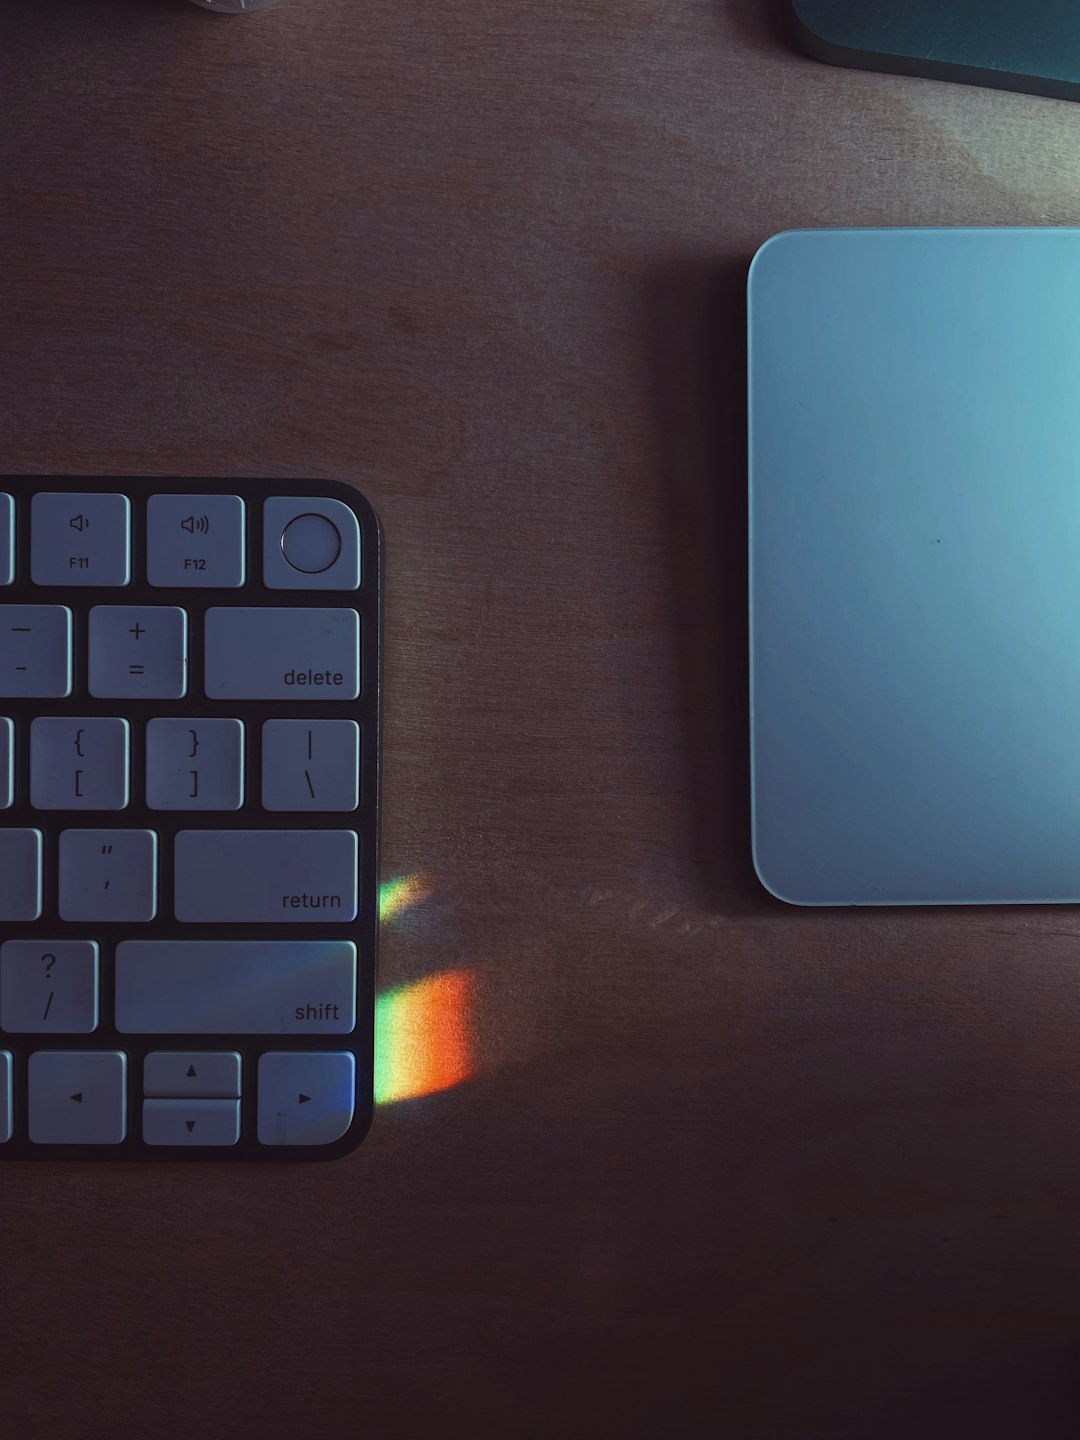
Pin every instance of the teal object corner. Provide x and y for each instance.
(1027, 45)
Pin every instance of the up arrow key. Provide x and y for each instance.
(191, 1072)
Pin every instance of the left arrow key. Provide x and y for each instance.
(96, 1080)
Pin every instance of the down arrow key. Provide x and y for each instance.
(191, 1122)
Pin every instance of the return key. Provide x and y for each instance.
(304, 877)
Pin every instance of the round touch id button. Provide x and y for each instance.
(310, 544)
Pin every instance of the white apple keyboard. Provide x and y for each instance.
(189, 790)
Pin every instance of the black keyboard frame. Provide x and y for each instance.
(367, 711)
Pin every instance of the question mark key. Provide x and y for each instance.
(49, 986)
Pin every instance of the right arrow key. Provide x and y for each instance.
(305, 1098)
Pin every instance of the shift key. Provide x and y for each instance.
(235, 987)
(276, 653)
(303, 877)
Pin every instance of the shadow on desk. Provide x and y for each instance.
(762, 22)
(698, 332)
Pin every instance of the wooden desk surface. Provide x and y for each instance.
(726, 1168)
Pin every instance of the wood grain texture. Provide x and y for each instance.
(731, 1169)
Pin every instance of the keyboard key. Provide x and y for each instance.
(78, 763)
(191, 1122)
(195, 541)
(49, 987)
(194, 764)
(305, 1098)
(311, 765)
(20, 874)
(7, 540)
(6, 1116)
(310, 545)
(108, 875)
(80, 539)
(241, 987)
(270, 654)
(300, 877)
(138, 652)
(35, 651)
(77, 1097)
(181, 1074)
(7, 764)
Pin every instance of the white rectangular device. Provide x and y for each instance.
(914, 533)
